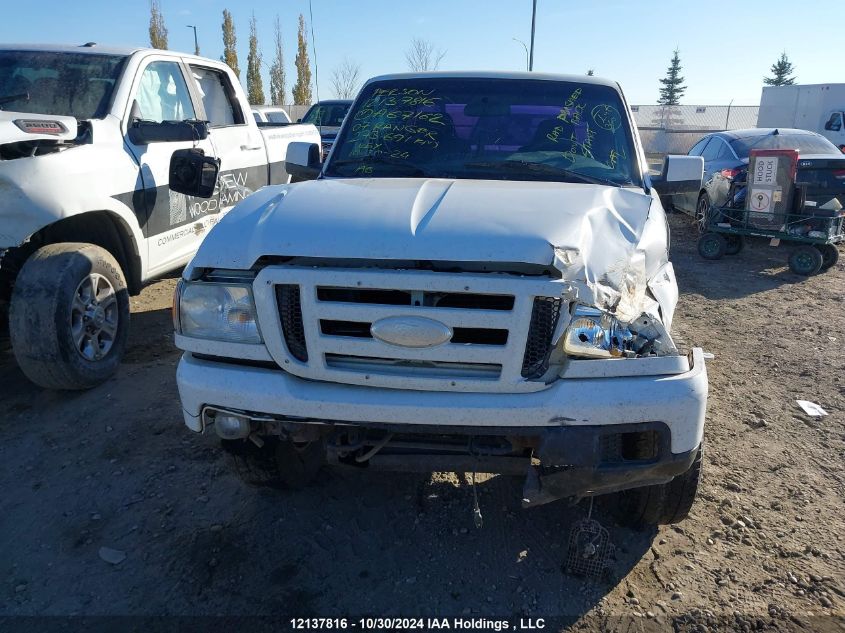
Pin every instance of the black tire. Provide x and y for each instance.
(805, 260)
(712, 245)
(276, 464)
(830, 255)
(56, 343)
(734, 244)
(662, 504)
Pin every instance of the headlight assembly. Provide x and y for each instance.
(222, 312)
(595, 334)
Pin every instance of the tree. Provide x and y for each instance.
(277, 70)
(230, 41)
(158, 31)
(781, 70)
(673, 84)
(254, 84)
(345, 79)
(302, 87)
(590, 72)
(422, 56)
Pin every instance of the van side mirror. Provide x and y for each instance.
(680, 174)
(193, 173)
(145, 132)
(303, 160)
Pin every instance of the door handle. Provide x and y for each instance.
(247, 148)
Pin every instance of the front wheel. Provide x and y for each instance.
(662, 504)
(702, 212)
(806, 261)
(69, 316)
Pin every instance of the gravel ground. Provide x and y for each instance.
(110, 506)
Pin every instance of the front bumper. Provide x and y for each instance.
(677, 400)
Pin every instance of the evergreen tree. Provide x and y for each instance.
(277, 70)
(158, 31)
(230, 41)
(781, 70)
(673, 84)
(254, 84)
(302, 87)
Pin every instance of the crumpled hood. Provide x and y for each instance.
(591, 233)
(11, 133)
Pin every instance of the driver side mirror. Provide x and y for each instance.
(303, 161)
(193, 173)
(680, 174)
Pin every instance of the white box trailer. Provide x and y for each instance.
(817, 107)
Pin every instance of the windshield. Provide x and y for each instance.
(328, 114)
(70, 84)
(503, 129)
(804, 143)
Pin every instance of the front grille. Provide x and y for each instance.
(499, 328)
(538, 347)
(290, 312)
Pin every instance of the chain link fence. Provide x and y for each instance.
(675, 129)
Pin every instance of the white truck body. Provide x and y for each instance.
(87, 181)
(413, 305)
(816, 107)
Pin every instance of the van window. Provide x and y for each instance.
(218, 97)
(163, 94)
(834, 123)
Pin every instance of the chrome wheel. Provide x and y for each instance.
(94, 317)
(701, 213)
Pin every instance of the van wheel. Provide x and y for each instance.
(662, 504)
(69, 316)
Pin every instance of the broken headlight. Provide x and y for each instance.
(593, 333)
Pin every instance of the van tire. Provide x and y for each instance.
(69, 316)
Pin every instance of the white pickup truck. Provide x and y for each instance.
(477, 279)
(86, 216)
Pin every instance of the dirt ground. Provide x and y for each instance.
(115, 468)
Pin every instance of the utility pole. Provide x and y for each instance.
(533, 22)
(525, 46)
(196, 42)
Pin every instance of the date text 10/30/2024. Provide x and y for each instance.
(417, 624)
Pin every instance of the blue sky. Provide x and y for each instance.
(726, 47)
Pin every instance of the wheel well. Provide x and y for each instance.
(102, 228)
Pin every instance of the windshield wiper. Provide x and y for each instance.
(524, 165)
(10, 98)
(378, 160)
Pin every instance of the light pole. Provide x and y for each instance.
(196, 42)
(533, 21)
(525, 46)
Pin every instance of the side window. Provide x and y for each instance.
(163, 94)
(724, 152)
(698, 147)
(218, 97)
(834, 123)
(712, 150)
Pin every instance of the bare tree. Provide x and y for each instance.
(423, 56)
(345, 79)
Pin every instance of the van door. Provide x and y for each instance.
(834, 129)
(172, 223)
(237, 141)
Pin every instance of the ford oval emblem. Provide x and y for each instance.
(411, 331)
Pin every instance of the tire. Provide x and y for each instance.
(662, 504)
(276, 464)
(712, 246)
(69, 316)
(734, 244)
(806, 261)
(830, 255)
